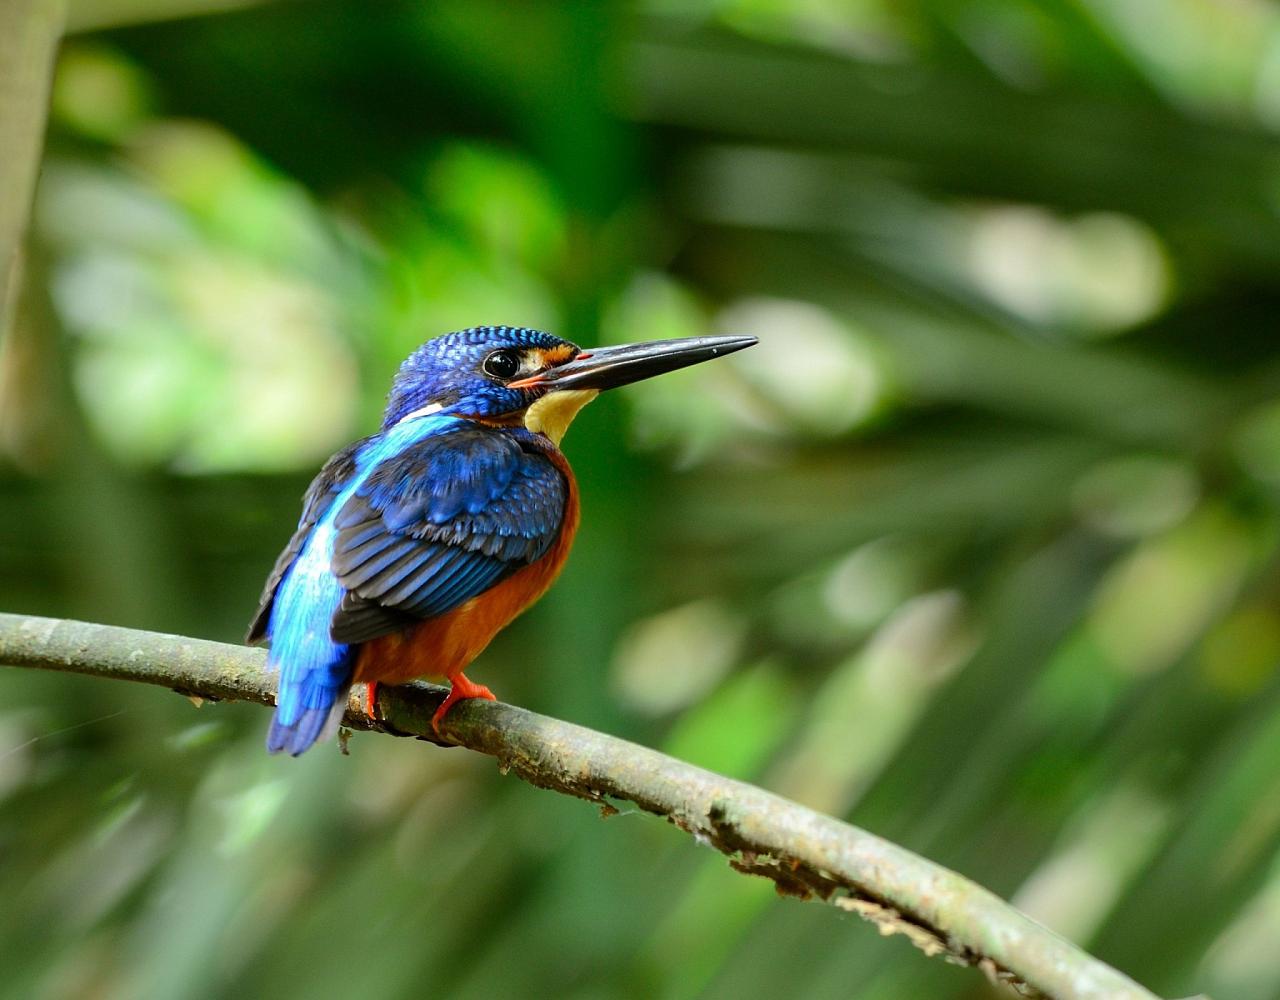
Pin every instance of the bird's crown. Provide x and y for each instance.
(468, 371)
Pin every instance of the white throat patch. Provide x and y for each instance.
(554, 412)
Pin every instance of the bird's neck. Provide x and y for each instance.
(549, 416)
(553, 413)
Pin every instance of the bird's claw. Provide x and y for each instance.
(460, 689)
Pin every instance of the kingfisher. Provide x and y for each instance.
(421, 542)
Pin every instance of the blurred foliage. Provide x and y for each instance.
(978, 548)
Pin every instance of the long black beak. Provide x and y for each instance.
(610, 367)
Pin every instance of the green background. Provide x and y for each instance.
(977, 548)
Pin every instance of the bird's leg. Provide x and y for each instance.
(371, 700)
(459, 689)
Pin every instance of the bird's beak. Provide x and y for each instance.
(609, 367)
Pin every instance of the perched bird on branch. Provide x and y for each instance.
(419, 543)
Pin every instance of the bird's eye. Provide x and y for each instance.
(501, 364)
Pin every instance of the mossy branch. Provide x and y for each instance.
(805, 853)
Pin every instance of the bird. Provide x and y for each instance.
(416, 545)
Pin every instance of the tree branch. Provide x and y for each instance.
(805, 853)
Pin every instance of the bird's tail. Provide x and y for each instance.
(309, 707)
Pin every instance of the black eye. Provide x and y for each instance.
(501, 364)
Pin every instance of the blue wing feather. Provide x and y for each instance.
(438, 523)
(324, 489)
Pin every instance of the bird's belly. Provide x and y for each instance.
(444, 645)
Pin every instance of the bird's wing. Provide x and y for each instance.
(441, 522)
(330, 480)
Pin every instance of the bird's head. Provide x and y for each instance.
(505, 374)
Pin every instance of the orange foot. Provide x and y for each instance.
(459, 689)
(371, 700)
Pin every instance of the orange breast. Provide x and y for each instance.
(444, 645)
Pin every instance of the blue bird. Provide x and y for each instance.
(419, 543)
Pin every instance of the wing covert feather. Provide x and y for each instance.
(436, 525)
